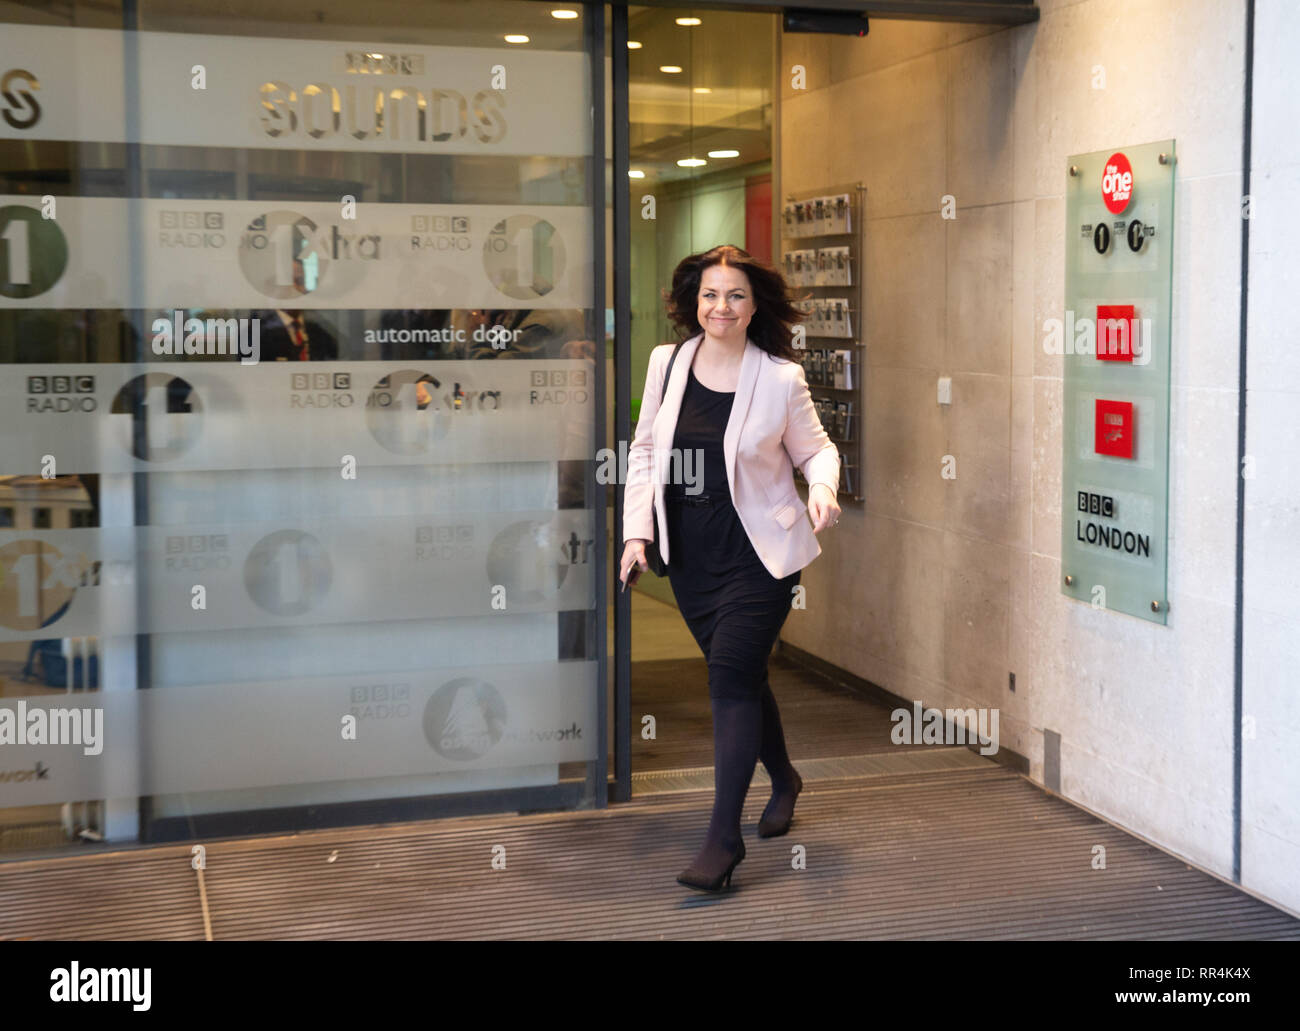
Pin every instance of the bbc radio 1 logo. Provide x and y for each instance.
(61, 393)
(33, 252)
(558, 387)
(288, 573)
(160, 416)
(524, 257)
(157, 416)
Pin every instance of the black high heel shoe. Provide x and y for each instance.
(691, 879)
(768, 828)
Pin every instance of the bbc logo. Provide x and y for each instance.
(60, 384)
(191, 220)
(322, 381)
(440, 223)
(541, 378)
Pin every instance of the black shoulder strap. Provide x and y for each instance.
(669, 371)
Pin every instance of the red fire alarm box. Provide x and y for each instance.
(1114, 432)
(1116, 330)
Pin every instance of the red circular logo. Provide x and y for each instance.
(1117, 183)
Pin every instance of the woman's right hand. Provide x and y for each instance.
(633, 563)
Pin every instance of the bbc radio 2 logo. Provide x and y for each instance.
(61, 394)
(558, 387)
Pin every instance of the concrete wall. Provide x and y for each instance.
(938, 589)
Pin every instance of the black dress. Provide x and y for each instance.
(734, 607)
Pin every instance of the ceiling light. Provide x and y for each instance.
(563, 13)
(702, 89)
(692, 162)
(724, 153)
(688, 21)
(516, 39)
(633, 44)
(671, 69)
(635, 173)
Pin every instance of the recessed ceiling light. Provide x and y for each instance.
(516, 39)
(702, 89)
(692, 162)
(671, 69)
(724, 153)
(564, 13)
(635, 173)
(688, 21)
(633, 44)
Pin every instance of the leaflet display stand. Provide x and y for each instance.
(821, 256)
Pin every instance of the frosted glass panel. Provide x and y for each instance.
(1115, 343)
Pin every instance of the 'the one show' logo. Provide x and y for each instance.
(1117, 183)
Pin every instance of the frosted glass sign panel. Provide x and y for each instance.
(1114, 342)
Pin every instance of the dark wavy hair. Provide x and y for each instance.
(773, 311)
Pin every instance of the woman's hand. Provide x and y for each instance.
(822, 505)
(633, 562)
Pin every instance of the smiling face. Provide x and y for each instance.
(726, 302)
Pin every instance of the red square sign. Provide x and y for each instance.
(1116, 332)
(1114, 433)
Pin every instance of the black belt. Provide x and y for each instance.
(692, 499)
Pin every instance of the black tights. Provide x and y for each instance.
(736, 639)
(746, 727)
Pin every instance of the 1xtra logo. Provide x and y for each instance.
(285, 255)
(532, 559)
(37, 583)
(408, 412)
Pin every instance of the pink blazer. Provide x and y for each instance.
(773, 427)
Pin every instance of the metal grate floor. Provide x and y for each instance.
(974, 852)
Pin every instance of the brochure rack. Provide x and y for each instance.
(821, 256)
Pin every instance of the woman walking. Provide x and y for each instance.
(735, 538)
